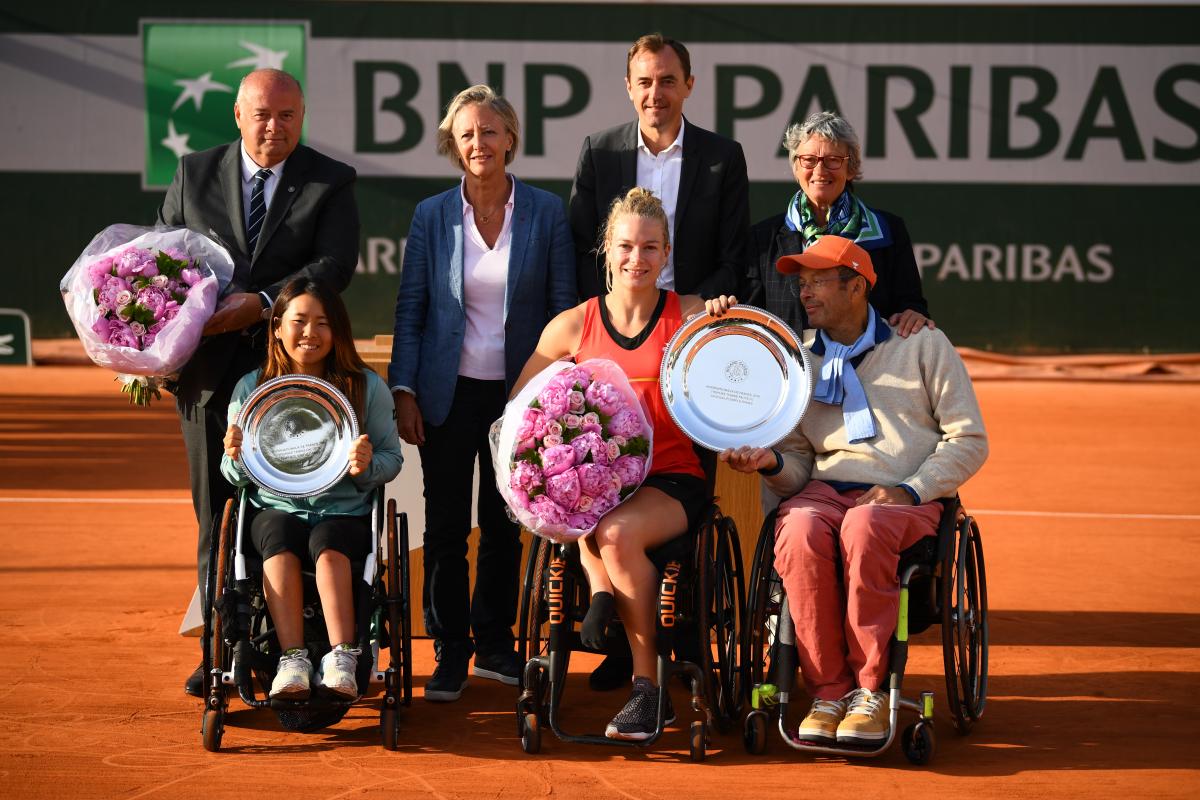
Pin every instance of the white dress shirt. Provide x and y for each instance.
(485, 279)
(660, 174)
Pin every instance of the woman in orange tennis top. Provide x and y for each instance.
(631, 325)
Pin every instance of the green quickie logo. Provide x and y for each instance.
(192, 74)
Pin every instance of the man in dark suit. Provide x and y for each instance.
(699, 176)
(282, 210)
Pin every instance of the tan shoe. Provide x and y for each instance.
(866, 720)
(821, 724)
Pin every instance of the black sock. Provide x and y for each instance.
(595, 622)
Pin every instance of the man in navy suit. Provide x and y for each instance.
(699, 176)
(282, 210)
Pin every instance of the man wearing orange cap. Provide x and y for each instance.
(893, 427)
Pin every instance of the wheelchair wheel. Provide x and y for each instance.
(212, 727)
(721, 598)
(754, 732)
(219, 575)
(918, 743)
(389, 727)
(216, 654)
(531, 733)
(763, 604)
(699, 741)
(963, 603)
(399, 618)
(534, 639)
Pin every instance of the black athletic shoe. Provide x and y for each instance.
(194, 685)
(450, 676)
(613, 673)
(637, 721)
(503, 666)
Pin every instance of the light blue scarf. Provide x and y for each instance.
(839, 384)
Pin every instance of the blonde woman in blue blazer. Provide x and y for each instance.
(487, 264)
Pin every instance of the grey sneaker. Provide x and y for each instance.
(292, 678)
(338, 668)
(638, 720)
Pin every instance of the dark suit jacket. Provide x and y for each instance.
(430, 314)
(712, 213)
(311, 229)
(897, 281)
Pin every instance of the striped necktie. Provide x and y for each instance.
(258, 209)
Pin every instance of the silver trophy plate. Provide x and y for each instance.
(296, 435)
(740, 379)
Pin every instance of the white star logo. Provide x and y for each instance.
(263, 58)
(195, 89)
(176, 142)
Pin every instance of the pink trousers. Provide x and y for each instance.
(844, 622)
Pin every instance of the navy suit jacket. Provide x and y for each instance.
(712, 211)
(430, 316)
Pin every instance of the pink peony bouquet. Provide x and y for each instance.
(572, 445)
(139, 299)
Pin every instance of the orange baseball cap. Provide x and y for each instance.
(829, 252)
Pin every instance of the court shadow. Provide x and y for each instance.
(86, 443)
(1094, 628)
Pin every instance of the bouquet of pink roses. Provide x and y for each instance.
(572, 445)
(139, 299)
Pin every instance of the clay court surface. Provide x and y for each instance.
(1090, 512)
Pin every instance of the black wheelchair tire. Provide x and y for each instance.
(212, 726)
(963, 601)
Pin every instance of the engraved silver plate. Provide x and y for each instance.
(740, 379)
(296, 435)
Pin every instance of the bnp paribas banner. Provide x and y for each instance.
(1046, 159)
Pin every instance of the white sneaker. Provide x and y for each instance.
(337, 674)
(292, 678)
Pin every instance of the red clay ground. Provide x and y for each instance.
(1095, 629)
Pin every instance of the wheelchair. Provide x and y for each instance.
(700, 604)
(942, 580)
(241, 651)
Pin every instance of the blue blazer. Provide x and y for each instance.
(430, 317)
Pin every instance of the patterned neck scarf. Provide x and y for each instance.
(849, 217)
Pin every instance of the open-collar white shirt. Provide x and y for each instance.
(485, 280)
(660, 174)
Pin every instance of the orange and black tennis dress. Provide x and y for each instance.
(640, 357)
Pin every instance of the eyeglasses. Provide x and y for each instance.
(831, 163)
(799, 285)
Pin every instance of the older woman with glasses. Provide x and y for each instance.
(826, 160)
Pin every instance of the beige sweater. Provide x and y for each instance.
(929, 432)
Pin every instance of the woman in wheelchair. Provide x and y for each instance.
(310, 335)
(631, 325)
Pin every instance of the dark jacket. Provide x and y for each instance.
(897, 281)
(712, 212)
(311, 229)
